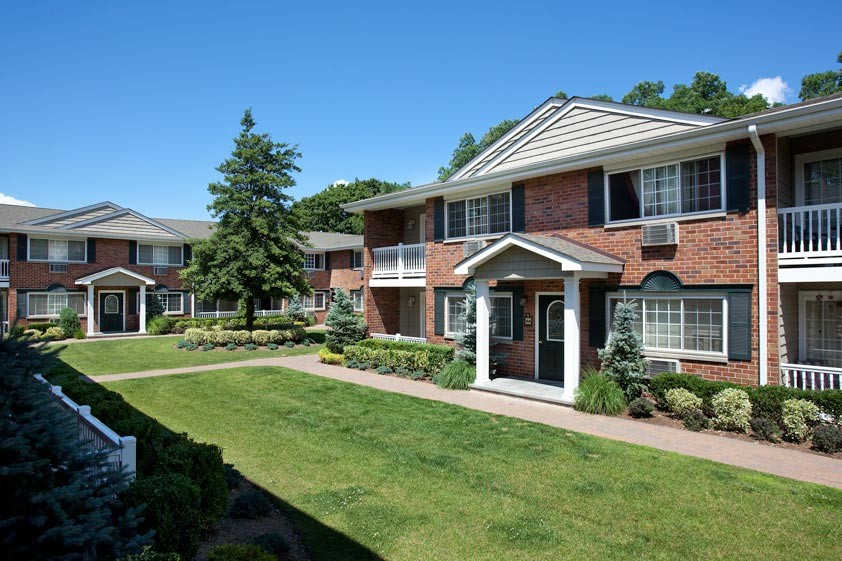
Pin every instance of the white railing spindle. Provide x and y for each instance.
(400, 261)
(808, 377)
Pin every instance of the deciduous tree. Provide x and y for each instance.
(322, 212)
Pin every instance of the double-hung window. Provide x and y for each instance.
(672, 189)
(820, 176)
(49, 304)
(172, 302)
(358, 259)
(480, 216)
(314, 261)
(57, 251)
(690, 324)
(500, 321)
(159, 254)
(454, 319)
(357, 299)
(315, 302)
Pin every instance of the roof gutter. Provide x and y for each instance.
(762, 274)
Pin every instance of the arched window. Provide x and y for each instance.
(555, 321)
(112, 304)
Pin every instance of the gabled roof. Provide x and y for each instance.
(569, 254)
(90, 279)
(565, 127)
(331, 241)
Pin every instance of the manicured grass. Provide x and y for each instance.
(95, 358)
(411, 479)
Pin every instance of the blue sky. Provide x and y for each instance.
(138, 102)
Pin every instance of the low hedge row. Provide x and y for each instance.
(181, 325)
(430, 359)
(766, 401)
(181, 482)
(262, 337)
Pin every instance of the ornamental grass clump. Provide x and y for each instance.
(622, 358)
(457, 375)
(599, 395)
(731, 410)
(680, 402)
(799, 418)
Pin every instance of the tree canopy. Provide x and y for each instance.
(468, 147)
(821, 83)
(321, 212)
(255, 250)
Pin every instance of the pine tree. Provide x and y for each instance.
(59, 502)
(468, 338)
(345, 327)
(154, 308)
(295, 310)
(622, 358)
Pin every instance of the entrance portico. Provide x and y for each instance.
(557, 321)
(107, 302)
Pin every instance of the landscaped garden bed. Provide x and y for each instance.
(217, 338)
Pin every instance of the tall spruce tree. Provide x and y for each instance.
(345, 327)
(255, 250)
(622, 358)
(468, 338)
(59, 501)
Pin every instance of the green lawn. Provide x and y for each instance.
(95, 358)
(410, 479)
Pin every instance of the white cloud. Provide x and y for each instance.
(9, 200)
(775, 90)
(340, 182)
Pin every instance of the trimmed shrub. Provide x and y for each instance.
(362, 365)
(272, 346)
(233, 477)
(261, 337)
(69, 322)
(55, 333)
(31, 333)
(275, 544)
(191, 346)
(457, 375)
(202, 463)
(289, 344)
(799, 417)
(242, 337)
(239, 552)
(696, 421)
(764, 428)
(418, 375)
(680, 401)
(79, 334)
(253, 504)
(160, 325)
(346, 327)
(731, 410)
(250, 347)
(401, 354)
(231, 347)
(828, 439)
(641, 408)
(41, 326)
(384, 370)
(351, 363)
(222, 337)
(208, 347)
(599, 395)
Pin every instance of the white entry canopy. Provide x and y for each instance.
(568, 254)
(126, 277)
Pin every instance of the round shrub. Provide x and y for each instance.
(233, 477)
(231, 347)
(457, 375)
(401, 371)
(253, 504)
(731, 410)
(31, 333)
(350, 363)
(159, 325)
(799, 417)
(69, 322)
(54, 333)
(828, 439)
(363, 366)
(680, 401)
(289, 344)
(261, 337)
(79, 334)
(418, 375)
(208, 347)
(764, 428)
(250, 347)
(239, 552)
(695, 420)
(641, 408)
(384, 370)
(242, 337)
(598, 395)
(272, 346)
(181, 344)
(275, 544)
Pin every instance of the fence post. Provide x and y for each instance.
(128, 456)
(400, 260)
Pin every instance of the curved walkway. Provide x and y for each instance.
(760, 457)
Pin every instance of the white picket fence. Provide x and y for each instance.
(96, 436)
(257, 314)
(398, 337)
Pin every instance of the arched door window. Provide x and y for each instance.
(112, 304)
(555, 321)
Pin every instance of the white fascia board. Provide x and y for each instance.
(398, 283)
(809, 274)
(70, 213)
(114, 271)
(118, 214)
(74, 235)
(787, 120)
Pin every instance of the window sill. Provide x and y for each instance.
(475, 238)
(56, 317)
(57, 262)
(685, 355)
(664, 220)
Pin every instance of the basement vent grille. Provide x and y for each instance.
(659, 234)
(471, 247)
(58, 267)
(161, 271)
(660, 365)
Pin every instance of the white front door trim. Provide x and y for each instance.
(99, 314)
(536, 326)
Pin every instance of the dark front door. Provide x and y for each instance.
(551, 338)
(110, 311)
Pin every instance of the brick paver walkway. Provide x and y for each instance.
(777, 461)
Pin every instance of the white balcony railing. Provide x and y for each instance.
(400, 261)
(808, 233)
(808, 377)
(4, 269)
(257, 314)
(398, 337)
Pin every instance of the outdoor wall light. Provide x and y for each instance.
(410, 224)
(411, 301)
(523, 301)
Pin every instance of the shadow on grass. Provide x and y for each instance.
(322, 542)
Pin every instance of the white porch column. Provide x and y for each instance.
(90, 311)
(141, 309)
(572, 313)
(483, 336)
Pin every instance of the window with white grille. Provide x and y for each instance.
(159, 254)
(50, 304)
(480, 216)
(60, 251)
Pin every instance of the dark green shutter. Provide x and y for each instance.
(438, 327)
(596, 198)
(518, 209)
(132, 303)
(186, 303)
(737, 177)
(188, 254)
(327, 261)
(350, 258)
(132, 253)
(739, 326)
(22, 247)
(22, 300)
(517, 314)
(91, 250)
(596, 317)
(438, 220)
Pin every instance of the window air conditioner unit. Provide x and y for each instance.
(161, 270)
(655, 366)
(659, 234)
(471, 247)
(58, 267)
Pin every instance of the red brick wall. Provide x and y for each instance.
(109, 253)
(340, 275)
(719, 250)
(381, 310)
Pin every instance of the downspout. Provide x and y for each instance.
(762, 275)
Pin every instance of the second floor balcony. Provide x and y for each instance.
(399, 265)
(810, 235)
(4, 269)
